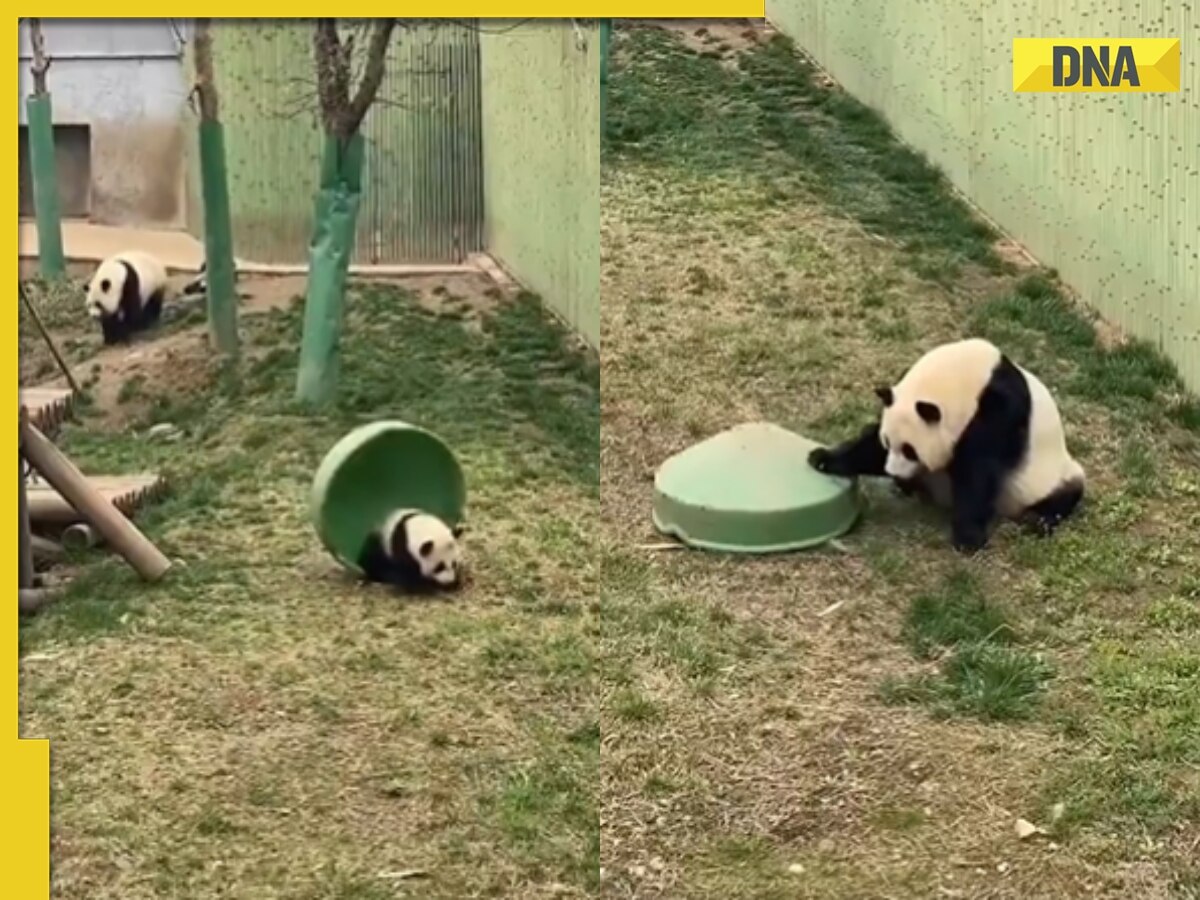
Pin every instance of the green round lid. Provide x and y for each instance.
(376, 469)
(751, 490)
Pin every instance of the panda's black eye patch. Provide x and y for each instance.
(909, 453)
(105, 285)
(426, 548)
(929, 412)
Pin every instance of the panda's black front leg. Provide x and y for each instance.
(976, 487)
(113, 330)
(373, 561)
(863, 455)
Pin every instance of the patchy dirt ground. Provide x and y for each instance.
(870, 720)
(176, 358)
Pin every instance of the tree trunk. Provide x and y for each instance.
(337, 200)
(214, 182)
(43, 168)
(206, 87)
(342, 114)
(41, 62)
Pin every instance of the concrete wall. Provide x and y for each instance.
(1103, 187)
(122, 79)
(541, 162)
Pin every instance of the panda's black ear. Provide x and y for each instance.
(457, 531)
(426, 548)
(885, 394)
(929, 412)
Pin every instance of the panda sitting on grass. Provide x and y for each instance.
(968, 428)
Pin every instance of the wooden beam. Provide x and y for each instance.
(24, 535)
(125, 492)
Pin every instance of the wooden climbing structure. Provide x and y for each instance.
(47, 408)
(104, 503)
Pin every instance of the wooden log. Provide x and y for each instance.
(121, 534)
(80, 536)
(30, 600)
(46, 548)
(47, 407)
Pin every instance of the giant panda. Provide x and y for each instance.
(413, 550)
(199, 284)
(969, 429)
(126, 293)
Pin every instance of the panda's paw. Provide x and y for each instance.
(823, 461)
(969, 540)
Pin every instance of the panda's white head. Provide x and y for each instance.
(426, 543)
(926, 413)
(913, 434)
(105, 289)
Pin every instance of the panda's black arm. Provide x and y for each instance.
(975, 485)
(862, 455)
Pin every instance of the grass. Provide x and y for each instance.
(869, 720)
(258, 721)
(958, 614)
(979, 673)
(699, 114)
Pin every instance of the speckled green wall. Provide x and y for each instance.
(1104, 187)
(541, 161)
(422, 194)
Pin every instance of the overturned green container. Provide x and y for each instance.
(751, 490)
(376, 469)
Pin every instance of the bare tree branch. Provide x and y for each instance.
(373, 72)
(332, 88)
(41, 62)
(341, 114)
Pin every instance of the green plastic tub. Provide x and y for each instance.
(751, 490)
(378, 468)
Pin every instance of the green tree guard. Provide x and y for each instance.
(218, 240)
(51, 260)
(337, 203)
(214, 188)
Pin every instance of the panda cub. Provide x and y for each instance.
(414, 551)
(127, 291)
(969, 429)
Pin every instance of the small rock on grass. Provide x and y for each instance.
(1026, 829)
